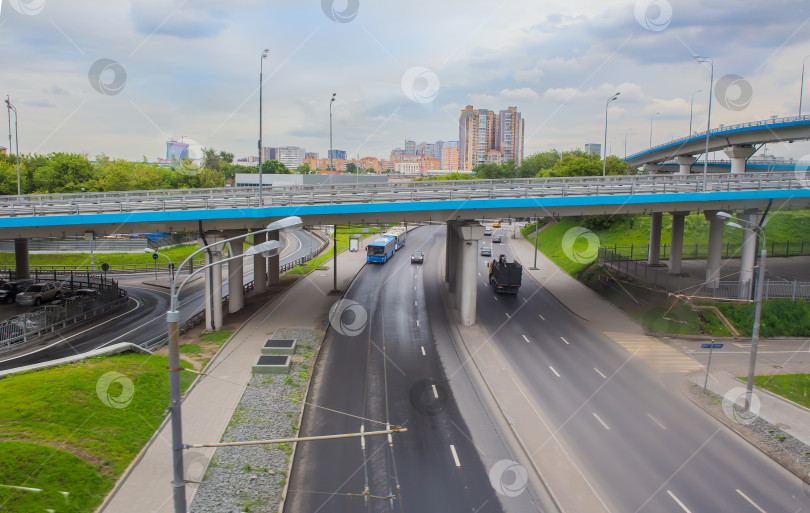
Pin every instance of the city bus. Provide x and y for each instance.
(399, 233)
(381, 249)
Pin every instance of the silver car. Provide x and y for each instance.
(39, 293)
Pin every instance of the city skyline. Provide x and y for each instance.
(121, 79)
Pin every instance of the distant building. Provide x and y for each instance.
(176, 149)
(290, 156)
(476, 136)
(3, 150)
(312, 155)
(510, 135)
(336, 154)
(269, 153)
(593, 149)
(410, 147)
(449, 156)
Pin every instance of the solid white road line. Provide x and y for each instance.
(658, 422)
(435, 392)
(563, 339)
(525, 300)
(601, 422)
(509, 316)
(751, 502)
(678, 501)
(554, 371)
(526, 339)
(496, 297)
(423, 352)
(600, 373)
(414, 302)
(417, 323)
(541, 317)
(455, 455)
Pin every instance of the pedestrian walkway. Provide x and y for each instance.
(655, 353)
(208, 407)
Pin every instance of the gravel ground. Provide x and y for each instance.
(781, 446)
(251, 478)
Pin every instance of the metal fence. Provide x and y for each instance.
(729, 250)
(80, 245)
(32, 327)
(661, 279)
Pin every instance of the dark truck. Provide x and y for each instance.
(505, 276)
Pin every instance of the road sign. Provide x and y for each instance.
(711, 346)
(154, 256)
(105, 267)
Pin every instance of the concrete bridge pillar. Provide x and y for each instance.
(273, 262)
(715, 248)
(213, 281)
(450, 258)
(738, 156)
(23, 270)
(676, 242)
(468, 236)
(259, 264)
(654, 251)
(748, 255)
(685, 164)
(236, 276)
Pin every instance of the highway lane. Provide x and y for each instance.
(382, 366)
(143, 317)
(642, 445)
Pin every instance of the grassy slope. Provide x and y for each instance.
(795, 387)
(60, 417)
(343, 234)
(177, 254)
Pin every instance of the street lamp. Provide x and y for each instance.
(266, 249)
(330, 130)
(752, 360)
(10, 108)
(265, 53)
(625, 140)
(709, 117)
(651, 120)
(691, 104)
(604, 148)
(801, 89)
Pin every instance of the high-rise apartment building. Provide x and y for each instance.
(510, 135)
(449, 157)
(312, 155)
(593, 149)
(336, 154)
(481, 130)
(290, 156)
(176, 149)
(268, 153)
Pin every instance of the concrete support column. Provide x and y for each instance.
(685, 164)
(236, 277)
(654, 253)
(676, 242)
(259, 265)
(715, 248)
(748, 255)
(738, 156)
(213, 290)
(458, 265)
(451, 258)
(273, 262)
(23, 270)
(468, 237)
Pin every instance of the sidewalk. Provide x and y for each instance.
(609, 319)
(207, 409)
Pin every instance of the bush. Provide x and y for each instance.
(780, 318)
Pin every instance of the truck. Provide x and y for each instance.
(505, 276)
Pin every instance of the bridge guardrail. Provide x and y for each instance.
(729, 250)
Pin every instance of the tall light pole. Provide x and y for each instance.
(10, 108)
(604, 148)
(752, 359)
(651, 120)
(708, 118)
(265, 53)
(691, 104)
(801, 89)
(625, 140)
(330, 130)
(267, 249)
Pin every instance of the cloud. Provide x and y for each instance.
(174, 18)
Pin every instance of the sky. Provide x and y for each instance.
(121, 77)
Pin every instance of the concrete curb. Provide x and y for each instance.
(121, 347)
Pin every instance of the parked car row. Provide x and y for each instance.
(29, 292)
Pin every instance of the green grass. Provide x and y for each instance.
(61, 408)
(191, 349)
(550, 244)
(344, 232)
(177, 254)
(216, 337)
(779, 318)
(790, 386)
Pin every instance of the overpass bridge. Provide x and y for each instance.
(739, 142)
(218, 214)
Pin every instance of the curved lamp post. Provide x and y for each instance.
(330, 130)
(604, 148)
(10, 108)
(266, 249)
(708, 118)
(265, 53)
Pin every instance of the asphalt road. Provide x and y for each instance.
(641, 445)
(143, 317)
(380, 366)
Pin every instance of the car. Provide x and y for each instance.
(417, 257)
(496, 239)
(39, 293)
(9, 290)
(486, 251)
(496, 224)
(488, 231)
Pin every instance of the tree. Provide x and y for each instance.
(225, 156)
(274, 167)
(533, 165)
(63, 172)
(494, 171)
(303, 169)
(351, 168)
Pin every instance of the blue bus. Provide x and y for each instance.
(381, 249)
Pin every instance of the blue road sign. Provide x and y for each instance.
(154, 256)
(711, 346)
